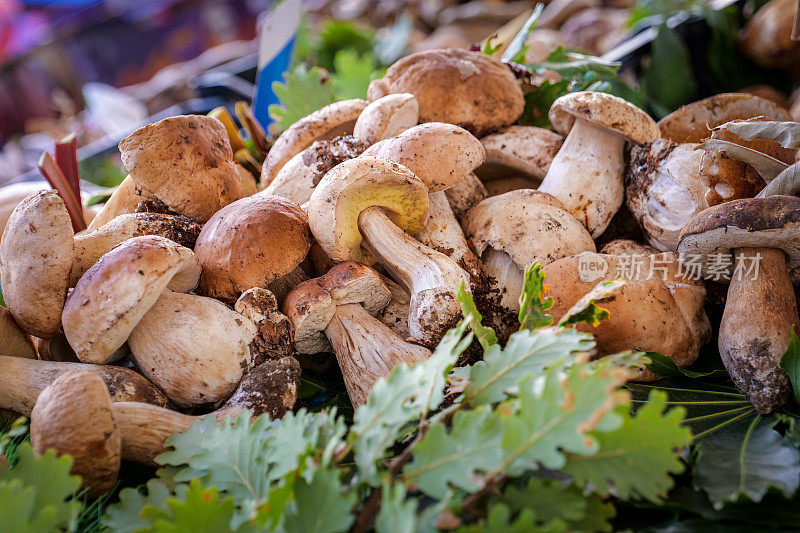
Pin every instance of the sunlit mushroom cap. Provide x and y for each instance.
(606, 111)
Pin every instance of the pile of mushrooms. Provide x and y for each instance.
(191, 293)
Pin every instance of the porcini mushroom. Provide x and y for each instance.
(13, 340)
(386, 117)
(767, 37)
(374, 202)
(511, 231)
(186, 162)
(465, 194)
(472, 90)
(124, 199)
(252, 242)
(339, 308)
(587, 174)
(753, 244)
(328, 122)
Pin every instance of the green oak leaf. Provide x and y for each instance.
(532, 306)
(669, 80)
(398, 514)
(485, 335)
(320, 505)
(666, 367)
(586, 309)
(199, 510)
(352, 74)
(302, 92)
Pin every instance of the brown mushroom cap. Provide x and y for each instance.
(13, 340)
(519, 150)
(692, 123)
(606, 111)
(472, 90)
(73, 416)
(771, 222)
(328, 122)
(186, 162)
(113, 295)
(767, 36)
(251, 243)
(36, 255)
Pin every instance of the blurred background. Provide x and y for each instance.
(101, 68)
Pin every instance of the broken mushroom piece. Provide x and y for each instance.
(13, 339)
(276, 336)
(328, 122)
(253, 242)
(21, 381)
(473, 90)
(753, 244)
(659, 308)
(511, 231)
(521, 154)
(117, 291)
(75, 415)
(186, 162)
(339, 308)
(587, 174)
(365, 209)
(386, 117)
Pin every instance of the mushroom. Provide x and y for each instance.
(186, 162)
(693, 122)
(470, 89)
(21, 381)
(627, 247)
(364, 209)
(559, 11)
(276, 335)
(752, 244)
(511, 231)
(338, 309)
(298, 177)
(518, 157)
(395, 314)
(659, 309)
(117, 291)
(587, 174)
(386, 117)
(12, 195)
(465, 194)
(595, 30)
(252, 242)
(328, 122)
(58, 349)
(75, 415)
(124, 199)
(767, 37)
(40, 257)
(13, 340)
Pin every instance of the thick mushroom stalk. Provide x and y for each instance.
(587, 174)
(339, 308)
(21, 381)
(380, 202)
(752, 243)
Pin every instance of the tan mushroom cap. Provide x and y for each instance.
(771, 222)
(525, 150)
(387, 117)
(36, 255)
(528, 225)
(312, 304)
(336, 119)
(11, 195)
(74, 416)
(113, 295)
(439, 154)
(470, 89)
(13, 340)
(606, 111)
(251, 243)
(662, 312)
(356, 185)
(692, 123)
(186, 162)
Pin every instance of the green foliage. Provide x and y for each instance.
(104, 172)
(669, 79)
(586, 309)
(99, 198)
(485, 335)
(303, 91)
(337, 35)
(353, 74)
(532, 306)
(790, 362)
(664, 366)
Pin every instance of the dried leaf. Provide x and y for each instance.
(768, 167)
(785, 133)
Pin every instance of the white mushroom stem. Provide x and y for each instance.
(144, 428)
(760, 313)
(431, 277)
(507, 277)
(443, 234)
(587, 175)
(367, 349)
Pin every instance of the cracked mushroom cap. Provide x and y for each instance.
(333, 120)
(662, 312)
(528, 225)
(472, 90)
(251, 243)
(113, 295)
(312, 304)
(519, 150)
(186, 162)
(387, 117)
(693, 122)
(439, 154)
(298, 178)
(711, 236)
(357, 185)
(36, 254)
(73, 416)
(606, 111)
